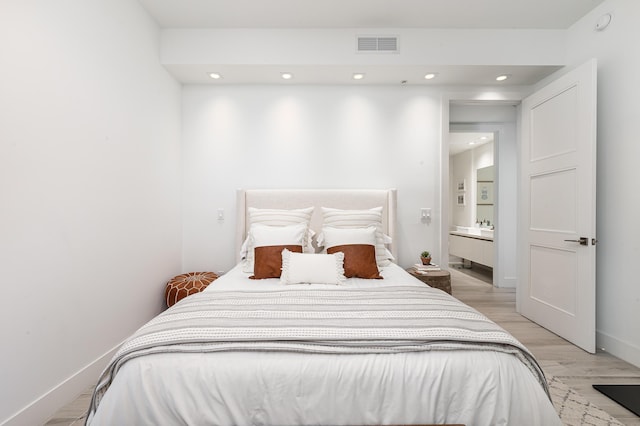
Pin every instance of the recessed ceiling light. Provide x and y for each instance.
(472, 143)
(502, 77)
(287, 75)
(484, 138)
(358, 76)
(215, 75)
(430, 75)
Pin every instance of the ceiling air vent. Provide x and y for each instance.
(373, 44)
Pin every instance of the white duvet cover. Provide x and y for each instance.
(287, 388)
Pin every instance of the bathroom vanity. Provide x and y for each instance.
(474, 244)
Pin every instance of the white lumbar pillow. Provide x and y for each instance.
(306, 268)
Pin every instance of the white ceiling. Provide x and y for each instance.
(370, 14)
(533, 14)
(463, 141)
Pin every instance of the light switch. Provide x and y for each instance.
(425, 214)
(220, 214)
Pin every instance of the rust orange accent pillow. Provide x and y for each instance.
(268, 261)
(359, 260)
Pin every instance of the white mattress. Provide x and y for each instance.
(225, 388)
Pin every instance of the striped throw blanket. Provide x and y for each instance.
(342, 321)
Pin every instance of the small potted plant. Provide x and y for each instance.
(425, 256)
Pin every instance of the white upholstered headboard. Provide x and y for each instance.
(301, 198)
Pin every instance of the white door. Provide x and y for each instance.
(557, 252)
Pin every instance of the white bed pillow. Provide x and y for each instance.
(275, 217)
(359, 248)
(338, 218)
(332, 236)
(279, 217)
(266, 235)
(307, 268)
(268, 243)
(261, 235)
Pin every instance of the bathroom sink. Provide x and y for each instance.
(471, 230)
(486, 232)
(468, 230)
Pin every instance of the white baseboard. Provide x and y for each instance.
(42, 408)
(507, 282)
(618, 348)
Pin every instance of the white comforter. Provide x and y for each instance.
(474, 388)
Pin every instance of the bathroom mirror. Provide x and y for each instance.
(485, 195)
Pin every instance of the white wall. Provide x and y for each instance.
(306, 137)
(505, 214)
(618, 227)
(89, 189)
(335, 46)
(461, 168)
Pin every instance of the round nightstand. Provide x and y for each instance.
(183, 285)
(436, 279)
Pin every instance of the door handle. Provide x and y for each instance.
(584, 241)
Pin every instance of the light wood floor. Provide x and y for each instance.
(557, 357)
(572, 365)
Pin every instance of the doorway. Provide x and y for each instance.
(482, 220)
(521, 204)
(472, 181)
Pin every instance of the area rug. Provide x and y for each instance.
(574, 409)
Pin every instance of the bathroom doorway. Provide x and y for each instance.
(483, 190)
(472, 194)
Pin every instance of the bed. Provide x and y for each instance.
(365, 343)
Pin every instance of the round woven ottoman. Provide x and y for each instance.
(184, 285)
